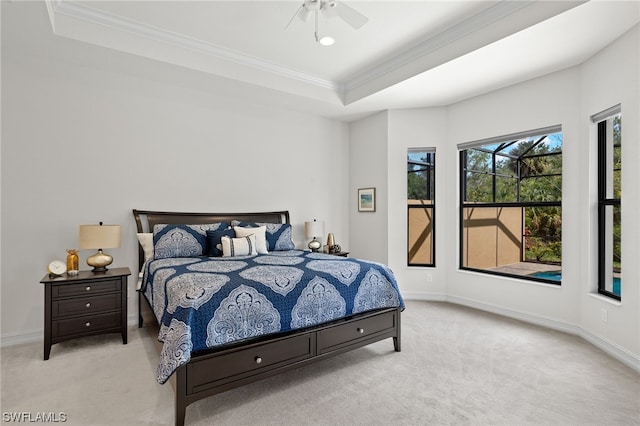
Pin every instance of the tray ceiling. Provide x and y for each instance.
(415, 53)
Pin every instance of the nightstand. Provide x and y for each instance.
(84, 305)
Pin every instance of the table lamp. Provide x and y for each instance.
(314, 230)
(99, 237)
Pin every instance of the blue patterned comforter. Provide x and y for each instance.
(206, 302)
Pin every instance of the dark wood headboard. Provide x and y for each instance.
(146, 219)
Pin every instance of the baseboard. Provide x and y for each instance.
(624, 356)
(428, 297)
(522, 316)
(621, 354)
(12, 339)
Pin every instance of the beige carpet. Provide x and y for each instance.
(457, 366)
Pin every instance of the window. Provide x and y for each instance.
(421, 185)
(511, 205)
(609, 130)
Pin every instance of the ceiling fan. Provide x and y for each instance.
(329, 9)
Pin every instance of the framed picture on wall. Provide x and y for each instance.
(366, 199)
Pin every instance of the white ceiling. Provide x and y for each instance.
(409, 53)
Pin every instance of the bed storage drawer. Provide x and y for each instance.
(347, 334)
(238, 364)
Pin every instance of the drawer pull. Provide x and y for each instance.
(361, 330)
(88, 305)
(88, 288)
(258, 360)
(87, 324)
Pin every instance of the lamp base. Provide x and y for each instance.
(99, 261)
(315, 245)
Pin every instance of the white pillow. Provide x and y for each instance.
(259, 232)
(146, 241)
(243, 246)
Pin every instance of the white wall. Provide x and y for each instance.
(546, 101)
(609, 78)
(567, 98)
(89, 136)
(368, 168)
(418, 128)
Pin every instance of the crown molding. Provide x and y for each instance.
(118, 23)
(487, 26)
(433, 43)
(427, 46)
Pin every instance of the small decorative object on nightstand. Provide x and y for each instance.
(85, 304)
(331, 244)
(56, 268)
(72, 262)
(99, 237)
(314, 230)
(331, 241)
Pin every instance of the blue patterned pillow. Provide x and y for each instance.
(278, 234)
(214, 240)
(182, 240)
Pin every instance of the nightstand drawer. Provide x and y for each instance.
(87, 324)
(67, 290)
(85, 305)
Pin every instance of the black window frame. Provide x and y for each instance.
(431, 195)
(603, 201)
(503, 142)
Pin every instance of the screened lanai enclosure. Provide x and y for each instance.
(511, 205)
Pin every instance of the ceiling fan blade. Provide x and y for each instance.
(301, 13)
(305, 12)
(346, 12)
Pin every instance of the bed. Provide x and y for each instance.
(232, 300)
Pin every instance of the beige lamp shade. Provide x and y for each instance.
(314, 230)
(99, 237)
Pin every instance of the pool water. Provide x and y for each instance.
(557, 276)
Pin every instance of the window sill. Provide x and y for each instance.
(606, 299)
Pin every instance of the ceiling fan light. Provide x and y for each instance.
(326, 40)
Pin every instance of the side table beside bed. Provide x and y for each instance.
(86, 304)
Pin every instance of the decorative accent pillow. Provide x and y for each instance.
(146, 242)
(243, 246)
(259, 232)
(278, 235)
(214, 243)
(182, 240)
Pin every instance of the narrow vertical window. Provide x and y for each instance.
(609, 130)
(421, 184)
